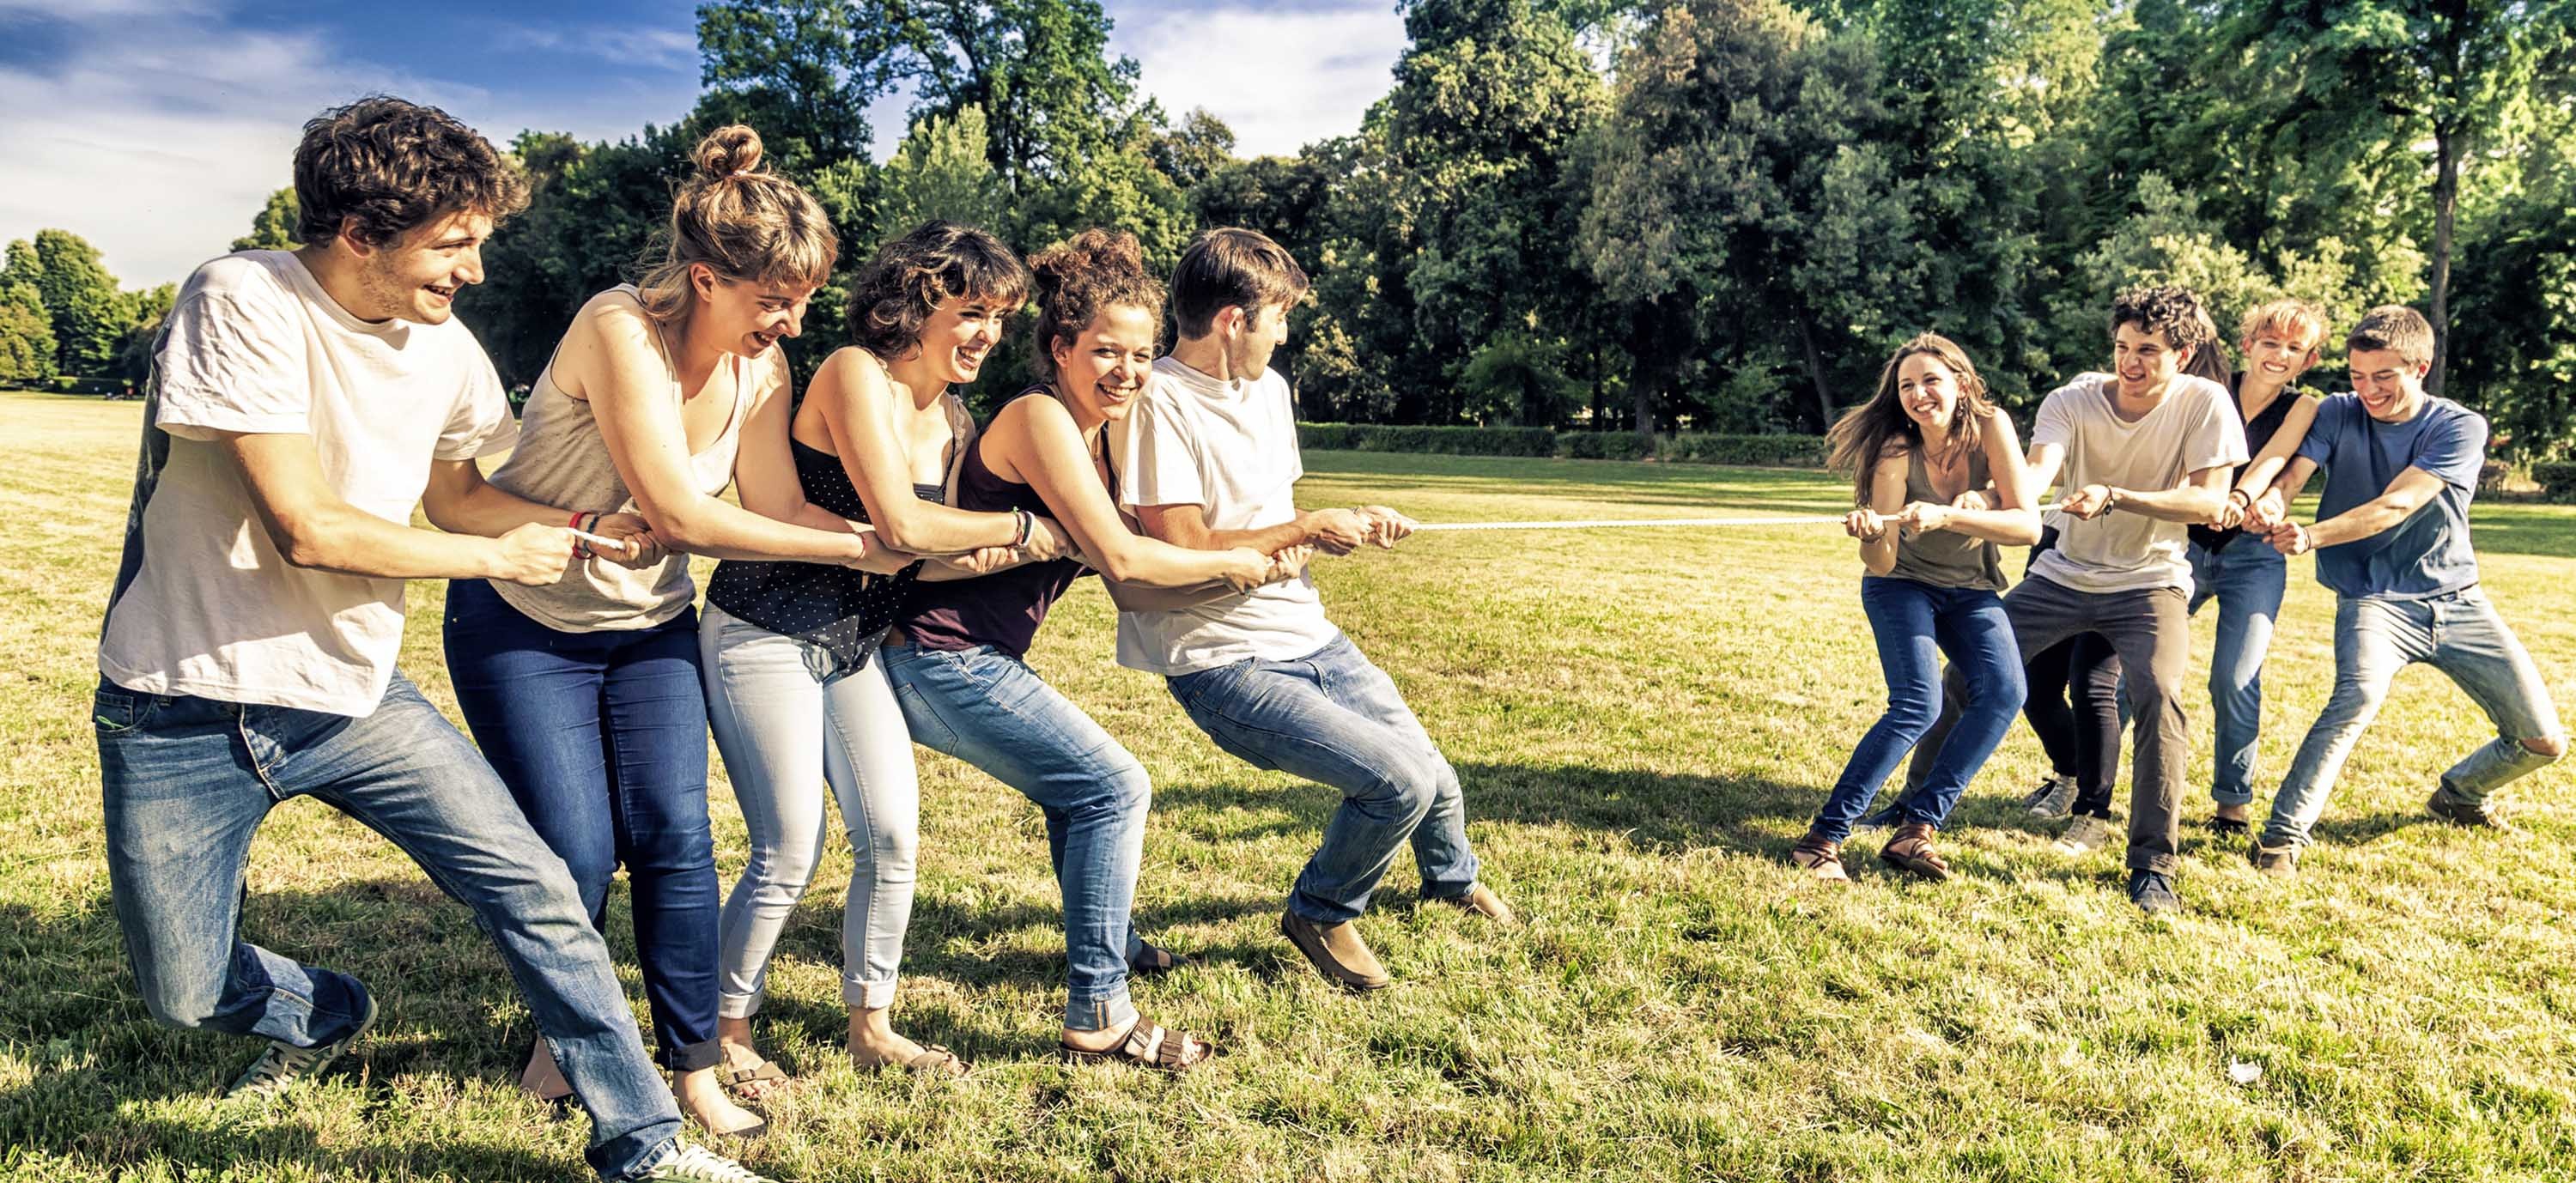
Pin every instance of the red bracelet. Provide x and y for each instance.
(580, 549)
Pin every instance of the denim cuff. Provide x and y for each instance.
(860, 995)
(706, 1053)
(1100, 1014)
(739, 1006)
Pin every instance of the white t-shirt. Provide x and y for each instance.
(206, 605)
(1229, 448)
(2192, 429)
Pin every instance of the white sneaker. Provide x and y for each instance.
(2084, 835)
(697, 1164)
(283, 1064)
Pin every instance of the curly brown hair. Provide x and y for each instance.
(382, 167)
(2174, 311)
(1084, 276)
(894, 295)
(1880, 426)
(741, 222)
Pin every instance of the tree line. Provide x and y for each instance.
(1711, 215)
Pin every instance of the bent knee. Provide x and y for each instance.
(2547, 747)
(888, 856)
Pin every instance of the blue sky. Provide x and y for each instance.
(155, 128)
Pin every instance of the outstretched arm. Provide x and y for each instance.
(314, 527)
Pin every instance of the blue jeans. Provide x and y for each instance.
(187, 782)
(1915, 623)
(1334, 718)
(2458, 634)
(2247, 578)
(991, 710)
(602, 739)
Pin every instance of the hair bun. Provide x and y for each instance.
(727, 150)
(1095, 253)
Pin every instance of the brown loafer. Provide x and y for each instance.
(1911, 850)
(1337, 952)
(1480, 900)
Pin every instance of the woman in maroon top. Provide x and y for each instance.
(954, 656)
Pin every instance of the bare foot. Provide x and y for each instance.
(702, 1099)
(873, 1044)
(740, 1055)
(541, 1078)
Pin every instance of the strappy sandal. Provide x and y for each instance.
(1153, 961)
(761, 1073)
(1911, 850)
(1148, 1045)
(1820, 858)
(931, 1060)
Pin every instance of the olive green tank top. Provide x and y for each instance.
(1946, 558)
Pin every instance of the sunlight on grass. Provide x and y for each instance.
(1644, 720)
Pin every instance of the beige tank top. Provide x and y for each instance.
(562, 461)
(1946, 558)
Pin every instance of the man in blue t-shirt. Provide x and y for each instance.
(2392, 540)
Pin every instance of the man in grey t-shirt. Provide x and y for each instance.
(2144, 452)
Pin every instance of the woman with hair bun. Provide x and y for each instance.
(584, 693)
(794, 688)
(955, 656)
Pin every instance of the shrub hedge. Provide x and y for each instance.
(2557, 478)
(1784, 451)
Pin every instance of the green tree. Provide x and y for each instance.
(273, 228)
(942, 170)
(88, 315)
(1194, 150)
(146, 310)
(801, 71)
(26, 336)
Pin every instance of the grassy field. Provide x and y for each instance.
(1644, 721)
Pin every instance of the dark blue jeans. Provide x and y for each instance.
(602, 738)
(189, 780)
(1915, 624)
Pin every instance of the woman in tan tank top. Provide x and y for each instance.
(1926, 437)
(585, 695)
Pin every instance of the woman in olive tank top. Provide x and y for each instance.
(1925, 437)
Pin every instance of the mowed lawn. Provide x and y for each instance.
(1644, 721)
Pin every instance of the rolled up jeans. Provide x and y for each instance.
(1914, 624)
(1335, 718)
(2248, 579)
(788, 729)
(187, 782)
(2458, 633)
(988, 708)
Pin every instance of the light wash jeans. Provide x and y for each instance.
(787, 730)
(2247, 578)
(2458, 634)
(991, 710)
(1915, 623)
(189, 780)
(1334, 718)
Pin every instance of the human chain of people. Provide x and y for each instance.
(887, 562)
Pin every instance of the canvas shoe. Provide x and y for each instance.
(2460, 811)
(283, 1064)
(2279, 862)
(697, 1164)
(2084, 835)
(2151, 892)
(2055, 797)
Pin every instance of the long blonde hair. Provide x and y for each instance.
(743, 223)
(1870, 430)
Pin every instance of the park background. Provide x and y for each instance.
(1556, 215)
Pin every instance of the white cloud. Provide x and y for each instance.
(1281, 80)
(663, 48)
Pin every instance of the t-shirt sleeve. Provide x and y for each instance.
(481, 423)
(2056, 421)
(2215, 439)
(2319, 445)
(2454, 449)
(232, 362)
(1296, 466)
(1156, 463)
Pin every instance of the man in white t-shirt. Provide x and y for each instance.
(2145, 452)
(302, 402)
(1208, 459)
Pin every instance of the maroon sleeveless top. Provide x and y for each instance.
(1005, 608)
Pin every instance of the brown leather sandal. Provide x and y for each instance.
(1911, 851)
(762, 1074)
(1821, 858)
(1148, 1045)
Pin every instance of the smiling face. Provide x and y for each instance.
(2391, 389)
(1101, 370)
(2278, 354)
(959, 334)
(743, 316)
(416, 277)
(2145, 361)
(1929, 391)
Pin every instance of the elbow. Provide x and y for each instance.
(681, 527)
(307, 542)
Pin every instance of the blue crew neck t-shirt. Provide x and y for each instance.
(2427, 554)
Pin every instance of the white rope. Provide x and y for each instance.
(1612, 524)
